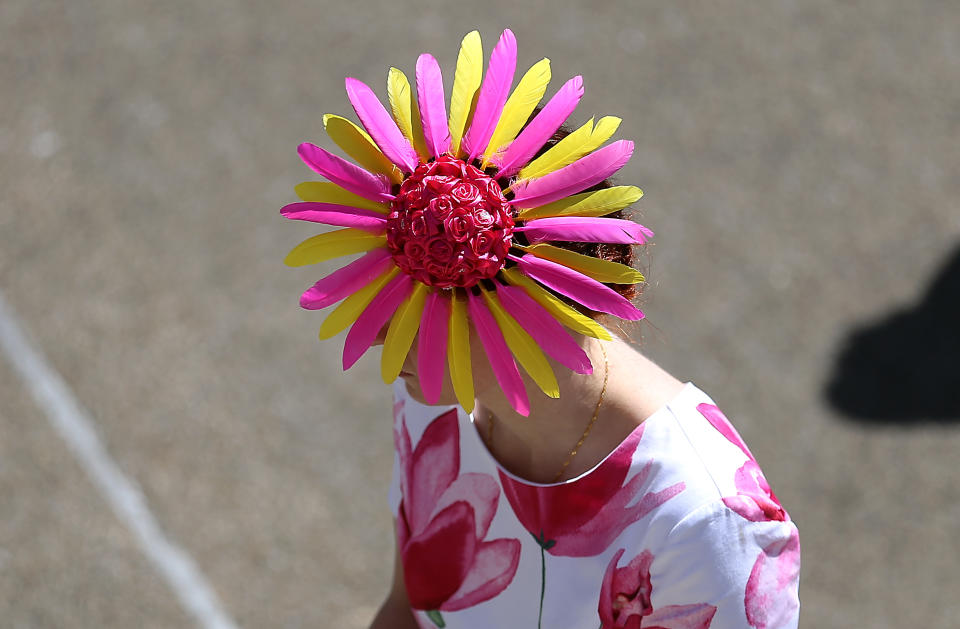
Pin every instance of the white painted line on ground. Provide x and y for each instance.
(77, 428)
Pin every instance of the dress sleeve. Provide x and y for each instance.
(748, 571)
(394, 493)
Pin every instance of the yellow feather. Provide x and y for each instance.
(600, 270)
(605, 128)
(564, 314)
(571, 148)
(458, 353)
(466, 83)
(555, 157)
(597, 203)
(518, 108)
(341, 242)
(523, 347)
(327, 192)
(360, 146)
(347, 312)
(406, 112)
(403, 328)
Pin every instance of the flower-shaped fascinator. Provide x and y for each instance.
(454, 213)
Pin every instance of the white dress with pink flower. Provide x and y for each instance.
(677, 529)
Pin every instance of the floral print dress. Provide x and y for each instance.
(676, 529)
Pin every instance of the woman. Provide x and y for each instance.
(618, 497)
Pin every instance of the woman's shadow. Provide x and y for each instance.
(905, 368)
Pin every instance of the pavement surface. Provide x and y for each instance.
(800, 167)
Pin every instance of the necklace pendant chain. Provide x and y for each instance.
(593, 419)
(586, 431)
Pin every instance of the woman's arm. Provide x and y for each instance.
(395, 612)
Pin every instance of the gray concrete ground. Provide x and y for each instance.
(800, 163)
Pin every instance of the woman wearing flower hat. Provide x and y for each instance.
(546, 473)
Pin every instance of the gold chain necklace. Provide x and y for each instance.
(586, 432)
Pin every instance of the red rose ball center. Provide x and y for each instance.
(450, 224)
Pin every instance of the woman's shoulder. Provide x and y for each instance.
(726, 513)
(690, 440)
(413, 414)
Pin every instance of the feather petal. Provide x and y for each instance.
(596, 203)
(586, 229)
(356, 143)
(580, 175)
(458, 353)
(600, 270)
(571, 148)
(339, 215)
(346, 281)
(497, 352)
(466, 83)
(403, 329)
(432, 345)
(566, 315)
(523, 346)
(368, 325)
(335, 244)
(380, 125)
(326, 192)
(560, 154)
(517, 110)
(579, 287)
(493, 94)
(344, 174)
(406, 113)
(544, 328)
(542, 128)
(605, 128)
(347, 312)
(433, 108)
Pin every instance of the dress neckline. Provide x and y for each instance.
(688, 389)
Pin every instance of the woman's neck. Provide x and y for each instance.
(536, 447)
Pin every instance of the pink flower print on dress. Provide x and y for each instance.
(581, 518)
(625, 600)
(777, 569)
(755, 500)
(719, 421)
(442, 522)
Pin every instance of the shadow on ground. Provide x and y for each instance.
(903, 369)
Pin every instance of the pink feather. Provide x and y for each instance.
(493, 95)
(432, 345)
(578, 287)
(345, 174)
(433, 109)
(347, 280)
(380, 125)
(339, 215)
(504, 367)
(368, 325)
(544, 328)
(585, 172)
(586, 229)
(542, 128)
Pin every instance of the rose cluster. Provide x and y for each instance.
(449, 225)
